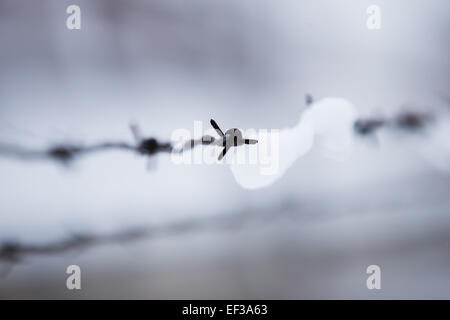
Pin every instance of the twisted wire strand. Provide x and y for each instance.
(66, 153)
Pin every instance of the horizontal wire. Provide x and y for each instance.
(65, 153)
(13, 252)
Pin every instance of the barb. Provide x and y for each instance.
(406, 121)
(231, 138)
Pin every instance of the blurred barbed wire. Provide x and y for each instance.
(406, 121)
(14, 252)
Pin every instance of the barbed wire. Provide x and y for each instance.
(67, 153)
(14, 252)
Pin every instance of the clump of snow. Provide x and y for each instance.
(327, 123)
